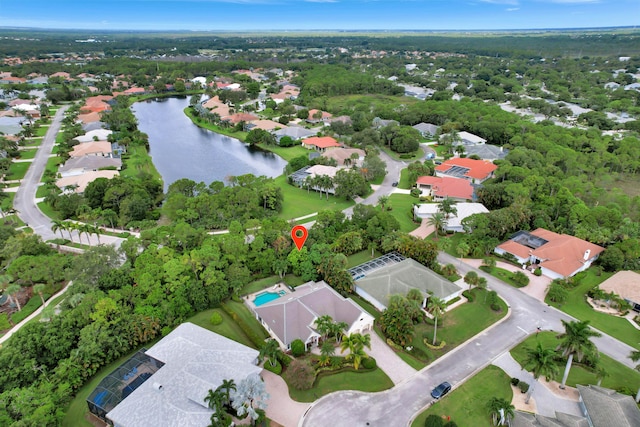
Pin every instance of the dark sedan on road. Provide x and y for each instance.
(441, 390)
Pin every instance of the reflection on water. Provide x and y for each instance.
(181, 149)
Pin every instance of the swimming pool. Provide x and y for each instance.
(265, 297)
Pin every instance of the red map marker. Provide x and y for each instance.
(299, 235)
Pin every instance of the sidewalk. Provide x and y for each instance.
(547, 397)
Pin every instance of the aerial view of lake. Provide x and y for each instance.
(180, 149)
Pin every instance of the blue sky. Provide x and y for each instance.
(243, 15)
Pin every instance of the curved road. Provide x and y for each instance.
(397, 406)
(25, 199)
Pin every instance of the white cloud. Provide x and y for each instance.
(509, 2)
(512, 9)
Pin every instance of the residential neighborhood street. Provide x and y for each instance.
(398, 405)
(25, 199)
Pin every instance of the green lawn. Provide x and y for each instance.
(32, 142)
(361, 257)
(27, 154)
(48, 210)
(17, 170)
(53, 163)
(217, 129)
(404, 179)
(403, 157)
(42, 191)
(42, 131)
(7, 202)
(137, 161)
(371, 381)
(577, 306)
(620, 376)
(299, 202)
(458, 325)
(227, 328)
(466, 405)
(286, 153)
(365, 305)
(249, 319)
(402, 210)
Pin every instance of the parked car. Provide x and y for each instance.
(395, 184)
(441, 390)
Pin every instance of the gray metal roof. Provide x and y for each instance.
(196, 360)
(608, 408)
(486, 151)
(401, 277)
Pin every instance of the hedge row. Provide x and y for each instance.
(258, 341)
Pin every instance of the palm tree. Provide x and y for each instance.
(382, 201)
(12, 291)
(501, 411)
(56, 226)
(226, 387)
(326, 351)
(270, 351)
(323, 325)
(576, 341)
(437, 221)
(436, 307)
(416, 296)
(336, 329)
(355, 343)
(39, 288)
(471, 278)
(449, 270)
(542, 363)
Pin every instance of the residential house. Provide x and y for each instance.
(380, 284)
(445, 187)
(318, 116)
(240, 117)
(268, 125)
(320, 143)
(379, 123)
(625, 284)
(11, 125)
(345, 156)
(426, 129)
(93, 148)
(93, 125)
(476, 171)
(454, 223)
(293, 316)
(78, 183)
(192, 361)
(467, 138)
(294, 132)
(94, 135)
(80, 165)
(486, 151)
(557, 255)
(300, 177)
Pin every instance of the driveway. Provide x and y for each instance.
(387, 360)
(396, 407)
(280, 407)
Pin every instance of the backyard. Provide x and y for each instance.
(466, 405)
(298, 202)
(402, 210)
(619, 376)
(576, 305)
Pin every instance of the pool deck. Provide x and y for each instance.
(248, 299)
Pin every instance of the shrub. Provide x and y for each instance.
(434, 421)
(300, 375)
(538, 272)
(255, 339)
(520, 279)
(277, 369)
(557, 293)
(468, 295)
(216, 318)
(284, 359)
(453, 301)
(4, 322)
(514, 381)
(523, 386)
(297, 348)
(451, 424)
(415, 192)
(369, 363)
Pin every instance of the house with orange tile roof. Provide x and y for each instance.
(93, 148)
(320, 143)
(558, 255)
(240, 117)
(89, 117)
(476, 171)
(317, 116)
(445, 187)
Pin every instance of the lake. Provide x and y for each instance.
(180, 149)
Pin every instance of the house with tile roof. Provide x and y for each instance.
(318, 116)
(78, 183)
(92, 148)
(320, 143)
(293, 315)
(476, 171)
(399, 278)
(81, 165)
(192, 361)
(345, 156)
(604, 407)
(445, 187)
(625, 284)
(557, 255)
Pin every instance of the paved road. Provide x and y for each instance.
(397, 405)
(25, 199)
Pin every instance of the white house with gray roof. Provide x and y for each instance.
(294, 132)
(426, 129)
(294, 315)
(195, 361)
(378, 286)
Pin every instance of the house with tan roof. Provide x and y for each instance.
(240, 117)
(90, 117)
(78, 183)
(293, 315)
(93, 148)
(345, 156)
(317, 116)
(268, 125)
(625, 284)
(558, 255)
(476, 171)
(445, 187)
(320, 143)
